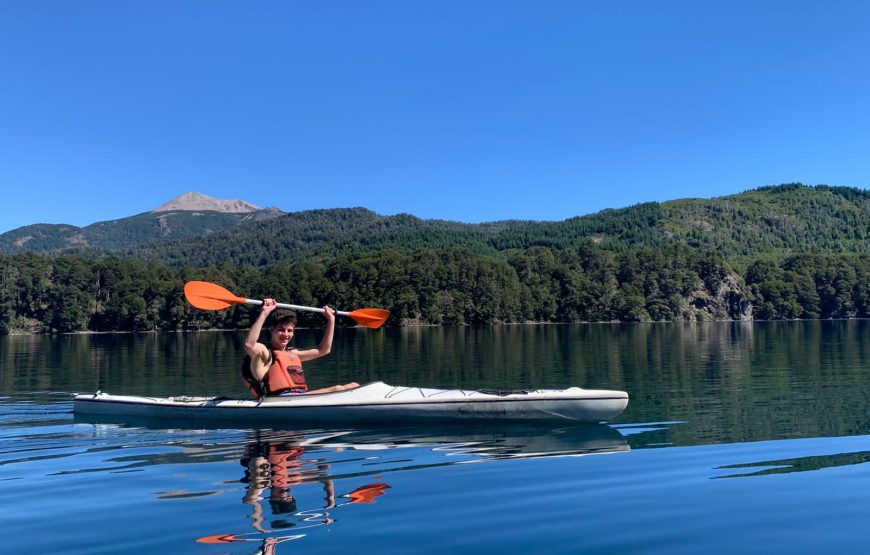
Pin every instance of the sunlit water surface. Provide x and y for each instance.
(739, 438)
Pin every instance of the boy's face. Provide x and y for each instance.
(282, 334)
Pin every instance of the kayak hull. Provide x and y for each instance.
(374, 402)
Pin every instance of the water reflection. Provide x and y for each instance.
(798, 464)
(277, 463)
(727, 382)
(485, 441)
(493, 442)
(272, 468)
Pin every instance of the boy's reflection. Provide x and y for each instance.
(278, 465)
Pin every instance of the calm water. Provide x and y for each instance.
(739, 438)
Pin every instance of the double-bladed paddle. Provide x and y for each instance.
(211, 296)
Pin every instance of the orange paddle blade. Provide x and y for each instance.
(210, 296)
(219, 538)
(368, 493)
(370, 317)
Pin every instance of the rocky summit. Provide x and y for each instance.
(197, 201)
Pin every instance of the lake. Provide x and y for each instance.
(738, 438)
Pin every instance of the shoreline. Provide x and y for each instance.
(413, 326)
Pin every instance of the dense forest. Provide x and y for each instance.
(442, 286)
(781, 252)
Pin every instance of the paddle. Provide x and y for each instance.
(211, 296)
(229, 538)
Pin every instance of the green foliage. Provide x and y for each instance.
(781, 252)
(810, 286)
(785, 219)
(440, 286)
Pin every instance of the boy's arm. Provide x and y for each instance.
(257, 351)
(325, 346)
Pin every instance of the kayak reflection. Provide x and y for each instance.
(483, 443)
(480, 442)
(296, 481)
(278, 462)
(272, 468)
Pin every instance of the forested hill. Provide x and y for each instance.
(782, 252)
(190, 215)
(321, 234)
(785, 219)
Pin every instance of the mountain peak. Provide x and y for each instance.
(198, 201)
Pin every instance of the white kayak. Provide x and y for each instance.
(375, 401)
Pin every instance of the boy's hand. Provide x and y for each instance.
(329, 314)
(269, 305)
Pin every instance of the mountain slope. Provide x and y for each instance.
(162, 224)
(318, 234)
(784, 219)
(771, 220)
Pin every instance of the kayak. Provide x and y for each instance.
(375, 401)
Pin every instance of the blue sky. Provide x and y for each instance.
(459, 110)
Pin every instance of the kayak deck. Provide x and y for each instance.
(375, 401)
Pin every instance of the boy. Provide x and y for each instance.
(279, 369)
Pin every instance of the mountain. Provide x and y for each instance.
(781, 220)
(782, 252)
(189, 215)
(199, 202)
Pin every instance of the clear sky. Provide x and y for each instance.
(462, 110)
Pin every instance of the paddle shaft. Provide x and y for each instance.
(255, 302)
(211, 296)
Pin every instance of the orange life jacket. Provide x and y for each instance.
(285, 373)
(286, 464)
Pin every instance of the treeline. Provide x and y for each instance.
(786, 219)
(810, 286)
(441, 286)
(783, 220)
